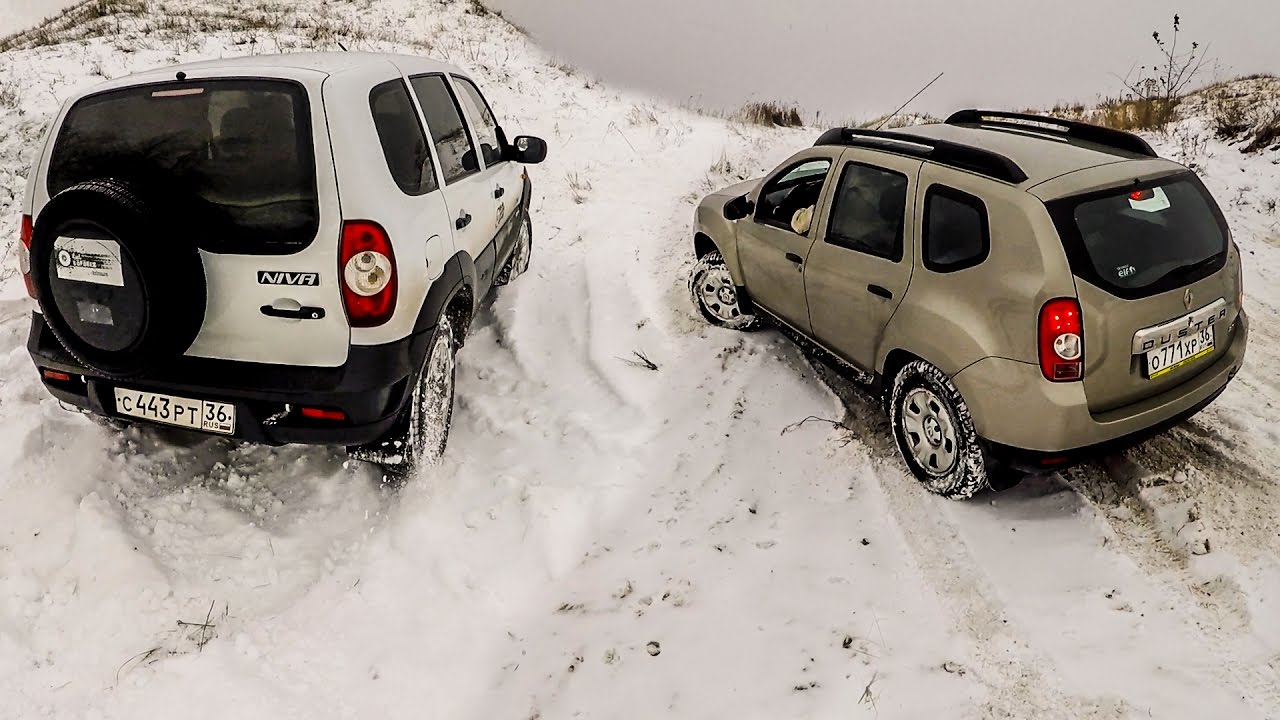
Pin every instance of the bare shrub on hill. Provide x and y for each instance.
(1154, 91)
(1135, 114)
(1267, 136)
(770, 114)
(1229, 112)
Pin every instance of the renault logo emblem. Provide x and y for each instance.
(1188, 298)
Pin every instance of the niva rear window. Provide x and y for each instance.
(1144, 239)
(232, 157)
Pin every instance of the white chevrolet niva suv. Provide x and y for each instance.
(282, 249)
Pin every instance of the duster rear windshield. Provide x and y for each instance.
(234, 157)
(1144, 239)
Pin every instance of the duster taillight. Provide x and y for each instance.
(1061, 340)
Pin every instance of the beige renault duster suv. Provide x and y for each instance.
(1020, 290)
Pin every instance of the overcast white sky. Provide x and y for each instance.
(856, 59)
(853, 58)
(18, 14)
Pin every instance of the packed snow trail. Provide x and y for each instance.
(605, 540)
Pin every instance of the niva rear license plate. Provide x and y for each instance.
(204, 415)
(1179, 353)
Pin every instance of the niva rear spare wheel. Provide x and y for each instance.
(120, 283)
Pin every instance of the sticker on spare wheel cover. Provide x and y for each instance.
(90, 261)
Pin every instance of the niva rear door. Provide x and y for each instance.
(1157, 279)
(247, 162)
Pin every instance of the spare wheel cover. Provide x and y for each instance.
(121, 286)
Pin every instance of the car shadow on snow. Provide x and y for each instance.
(866, 422)
(1193, 443)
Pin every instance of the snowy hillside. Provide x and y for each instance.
(603, 540)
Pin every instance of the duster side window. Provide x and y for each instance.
(869, 211)
(794, 192)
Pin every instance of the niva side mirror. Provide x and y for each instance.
(529, 150)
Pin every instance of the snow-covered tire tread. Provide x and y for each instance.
(969, 475)
(745, 322)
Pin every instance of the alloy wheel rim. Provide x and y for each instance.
(930, 431)
(718, 294)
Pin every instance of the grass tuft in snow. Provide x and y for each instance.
(1120, 113)
(901, 120)
(640, 360)
(1230, 114)
(643, 115)
(10, 94)
(579, 187)
(770, 114)
(1267, 134)
(564, 67)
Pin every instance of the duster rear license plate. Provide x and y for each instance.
(204, 415)
(1185, 351)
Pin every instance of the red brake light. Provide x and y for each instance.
(56, 375)
(1061, 340)
(1138, 195)
(367, 267)
(24, 256)
(322, 414)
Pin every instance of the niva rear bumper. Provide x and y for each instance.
(370, 389)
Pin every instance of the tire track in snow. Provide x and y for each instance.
(1021, 680)
(1114, 488)
(953, 566)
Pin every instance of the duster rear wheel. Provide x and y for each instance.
(935, 433)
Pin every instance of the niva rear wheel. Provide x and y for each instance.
(419, 437)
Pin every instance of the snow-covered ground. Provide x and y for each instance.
(603, 540)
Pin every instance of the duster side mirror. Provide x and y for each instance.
(739, 208)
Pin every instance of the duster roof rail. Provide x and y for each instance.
(1055, 127)
(943, 152)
